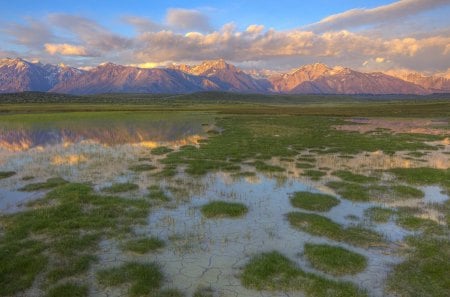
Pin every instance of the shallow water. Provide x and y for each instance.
(202, 252)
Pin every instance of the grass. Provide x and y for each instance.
(407, 192)
(314, 174)
(262, 166)
(353, 177)
(223, 209)
(161, 150)
(334, 260)
(142, 167)
(203, 292)
(274, 272)
(156, 193)
(49, 184)
(121, 188)
(303, 165)
(350, 191)
(314, 201)
(425, 271)
(68, 290)
(379, 214)
(143, 279)
(322, 226)
(144, 245)
(6, 174)
(67, 225)
(423, 176)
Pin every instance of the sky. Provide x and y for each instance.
(376, 35)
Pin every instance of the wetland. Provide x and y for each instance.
(216, 199)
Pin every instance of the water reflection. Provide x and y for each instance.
(149, 133)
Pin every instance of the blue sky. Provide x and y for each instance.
(372, 35)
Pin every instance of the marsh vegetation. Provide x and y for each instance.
(213, 199)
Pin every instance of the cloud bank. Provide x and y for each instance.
(188, 36)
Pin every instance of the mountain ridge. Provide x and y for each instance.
(18, 75)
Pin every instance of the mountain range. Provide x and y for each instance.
(18, 75)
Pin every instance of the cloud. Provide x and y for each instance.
(362, 16)
(31, 33)
(65, 49)
(90, 33)
(143, 24)
(188, 20)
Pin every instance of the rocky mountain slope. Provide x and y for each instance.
(17, 75)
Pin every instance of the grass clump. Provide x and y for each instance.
(314, 174)
(350, 191)
(68, 290)
(423, 176)
(144, 279)
(68, 224)
(322, 226)
(142, 167)
(274, 272)
(203, 292)
(121, 188)
(407, 192)
(221, 209)
(49, 184)
(6, 174)
(334, 260)
(425, 271)
(161, 150)
(156, 193)
(379, 214)
(352, 177)
(314, 201)
(144, 245)
(303, 165)
(263, 166)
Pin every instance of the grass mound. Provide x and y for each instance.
(6, 174)
(49, 184)
(322, 226)
(314, 201)
(121, 188)
(144, 245)
(274, 272)
(144, 279)
(142, 167)
(161, 150)
(334, 260)
(221, 209)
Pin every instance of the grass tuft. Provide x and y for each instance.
(314, 201)
(121, 188)
(334, 260)
(222, 209)
(144, 245)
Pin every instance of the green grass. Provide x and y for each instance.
(304, 165)
(423, 176)
(314, 174)
(142, 167)
(203, 292)
(334, 260)
(49, 184)
(161, 150)
(262, 166)
(223, 209)
(407, 192)
(274, 272)
(121, 188)
(322, 226)
(314, 201)
(144, 245)
(68, 290)
(70, 266)
(350, 191)
(352, 177)
(156, 193)
(143, 279)
(379, 214)
(412, 222)
(425, 271)
(6, 174)
(67, 223)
